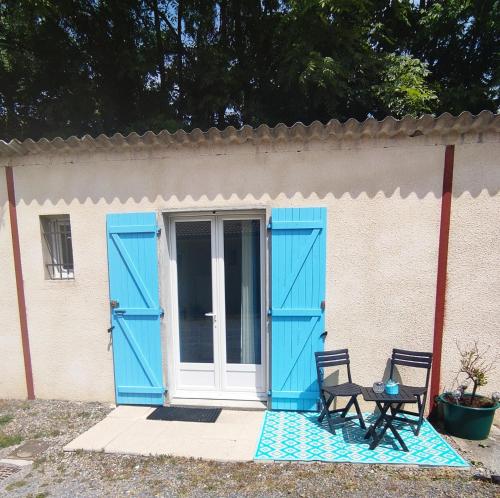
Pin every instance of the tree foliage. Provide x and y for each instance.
(100, 66)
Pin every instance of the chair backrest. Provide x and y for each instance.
(332, 358)
(415, 359)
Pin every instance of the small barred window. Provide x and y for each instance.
(58, 250)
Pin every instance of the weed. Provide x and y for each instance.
(15, 485)
(6, 440)
(5, 419)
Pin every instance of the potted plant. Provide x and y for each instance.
(470, 415)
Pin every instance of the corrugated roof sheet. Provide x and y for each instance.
(334, 130)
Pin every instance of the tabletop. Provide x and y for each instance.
(404, 396)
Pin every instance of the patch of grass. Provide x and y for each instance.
(41, 495)
(15, 485)
(5, 419)
(6, 440)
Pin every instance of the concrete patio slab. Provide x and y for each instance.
(126, 430)
(131, 412)
(97, 437)
(138, 439)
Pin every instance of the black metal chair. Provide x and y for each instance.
(414, 359)
(328, 393)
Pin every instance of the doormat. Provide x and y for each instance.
(298, 436)
(185, 414)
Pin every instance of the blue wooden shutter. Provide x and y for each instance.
(298, 266)
(133, 284)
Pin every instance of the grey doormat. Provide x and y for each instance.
(185, 414)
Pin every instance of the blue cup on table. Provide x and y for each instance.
(391, 387)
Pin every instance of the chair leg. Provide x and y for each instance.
(329, 416)
(346, 409)
(326, 405)
(421, 407)
(325, 412)
(358, 411)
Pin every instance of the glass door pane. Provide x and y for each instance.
(242, 291)
(194, 285)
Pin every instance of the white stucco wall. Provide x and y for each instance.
(383, 201)
(473, 286)
(12, 379)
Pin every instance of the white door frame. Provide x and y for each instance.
(219, 367)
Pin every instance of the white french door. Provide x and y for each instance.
(218, 307)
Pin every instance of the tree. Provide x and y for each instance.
(102, 66)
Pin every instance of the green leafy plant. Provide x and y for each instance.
(404, 88)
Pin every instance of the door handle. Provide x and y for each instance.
(210, 314)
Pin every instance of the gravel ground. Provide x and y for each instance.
(59, 473)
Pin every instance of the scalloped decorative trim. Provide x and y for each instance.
(389, 127)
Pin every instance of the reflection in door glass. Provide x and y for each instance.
(194, 277)
(242, 288)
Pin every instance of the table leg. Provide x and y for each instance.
(383, 416)
(394, 431)
(383, 410)
(388, 425)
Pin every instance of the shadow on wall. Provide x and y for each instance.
(251, 176)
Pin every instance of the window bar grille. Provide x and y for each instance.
(58, 240)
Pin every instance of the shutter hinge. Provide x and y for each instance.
(158, 231)
(270, 224)
(162, 312)
(269, 392)
(269, 312)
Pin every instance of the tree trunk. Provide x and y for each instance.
(473, 395)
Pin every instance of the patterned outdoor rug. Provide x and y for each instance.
(298, 436)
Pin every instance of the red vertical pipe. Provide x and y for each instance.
(444, 235)
(21, 302)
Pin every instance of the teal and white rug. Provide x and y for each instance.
(298, 436)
